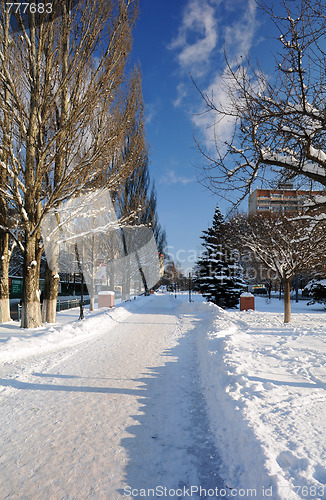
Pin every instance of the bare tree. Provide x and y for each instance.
(138, 196)
(6, 126)
(69, 103)
(279, 117)
(286, 246)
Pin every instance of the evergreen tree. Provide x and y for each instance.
(217, 272)
(316, 289)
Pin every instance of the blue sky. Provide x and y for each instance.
(173, 39)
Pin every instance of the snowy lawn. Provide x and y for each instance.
(265, 383)
(114, 404)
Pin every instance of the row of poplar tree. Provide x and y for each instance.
(71, 121)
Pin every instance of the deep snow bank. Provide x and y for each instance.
(264, 384)
(244, 466)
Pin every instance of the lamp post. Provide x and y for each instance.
(189, 287)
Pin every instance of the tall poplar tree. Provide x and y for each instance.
(65, 94)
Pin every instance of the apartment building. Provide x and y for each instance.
(284, 199)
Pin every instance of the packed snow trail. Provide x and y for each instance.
(112, 415)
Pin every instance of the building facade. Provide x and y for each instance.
(285, 199)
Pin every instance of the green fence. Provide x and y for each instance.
(62, 305)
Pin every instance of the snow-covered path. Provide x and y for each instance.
(115, 411)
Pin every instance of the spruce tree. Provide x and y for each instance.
(217, 273)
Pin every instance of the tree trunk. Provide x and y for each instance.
(4, 236)
(31, 308)
(92, 277)
(111, 275)
(51, 288)
(92, 291)
(125, 269)
(287, 301)
(81, 302)
(4, 277)
(126, 279)
(141, 272)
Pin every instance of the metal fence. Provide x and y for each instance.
(62, 305)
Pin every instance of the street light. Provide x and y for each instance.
(190, 287)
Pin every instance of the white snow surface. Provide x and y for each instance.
(265, 383)
(161, 397)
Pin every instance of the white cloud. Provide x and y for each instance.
(206, 121)
(197, 36)
(182, 92)
(239, 37)
(152, 109)
(172, 178)
(207, 26)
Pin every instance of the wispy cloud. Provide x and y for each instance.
(197, 36)
(182, 92)
(206, 27)
(239, 36)
(152, 110)
(206, 122)
(172, 178)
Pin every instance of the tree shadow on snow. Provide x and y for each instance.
(171, 445)
(314, 384)
(17, 384)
